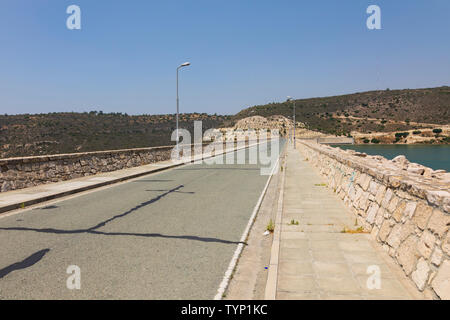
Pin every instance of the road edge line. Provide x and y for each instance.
(237, 253)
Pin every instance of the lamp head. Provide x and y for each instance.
(185, 64)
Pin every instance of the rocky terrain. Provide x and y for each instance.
(435, 135)
(277, 122)
(387, 111)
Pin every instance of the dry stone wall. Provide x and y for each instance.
(405, 207)
(18, 173)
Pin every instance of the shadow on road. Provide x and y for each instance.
(26, 263)
(93, 230)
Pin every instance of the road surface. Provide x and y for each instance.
(169, 235)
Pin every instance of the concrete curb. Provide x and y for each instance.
(27, 203)
(272, 277)
(237, 253)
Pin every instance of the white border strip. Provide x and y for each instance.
(272, 278)
(237, 253)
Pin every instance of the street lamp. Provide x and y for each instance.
(178, 100)
(290, 99)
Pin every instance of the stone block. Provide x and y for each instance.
(384, 230)
(393, 203)
(398, 212)
(420, 275)
(436, 257)
(372, 212)
(422, 214)
(426, 244)
(363, 180)
(387, 198)
(380, 217)
(439, 222)
(446, 244)
(436, 197)
(407, 254)
(441, 282)
(410, 208)
(362, 204)
(380, 194)
(373, 187)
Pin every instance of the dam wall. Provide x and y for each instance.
(404, 206)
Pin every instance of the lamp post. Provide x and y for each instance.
(178, 100)
(290, 99)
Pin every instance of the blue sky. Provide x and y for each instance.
(243, 52)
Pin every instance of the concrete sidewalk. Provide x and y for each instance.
(316, 260)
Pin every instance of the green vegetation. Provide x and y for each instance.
(53, 133)
(293, 223)
(397, 106)
(351, 231)
(401, 134)
(270, 226)
(375, 140)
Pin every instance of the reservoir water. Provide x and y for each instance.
(433, 156)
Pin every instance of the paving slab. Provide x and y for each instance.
(316, 259)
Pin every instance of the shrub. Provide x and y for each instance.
(366, 140)
(401, 135)
(375, 140)
(437, 131)
(270, 226)
(417, 132)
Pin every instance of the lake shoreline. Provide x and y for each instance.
(433, 156)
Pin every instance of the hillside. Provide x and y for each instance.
(364, 115)
(366, 112)
(40, 134)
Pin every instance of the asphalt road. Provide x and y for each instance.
(169, 235)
